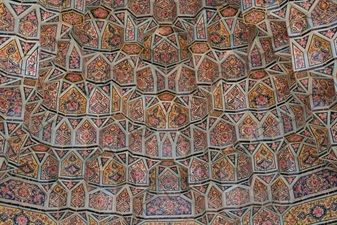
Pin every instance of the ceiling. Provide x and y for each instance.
(166, 112)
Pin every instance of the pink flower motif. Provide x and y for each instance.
(318, 211)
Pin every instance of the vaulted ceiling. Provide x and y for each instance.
(185, 112)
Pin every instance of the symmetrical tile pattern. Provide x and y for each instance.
(170, 112)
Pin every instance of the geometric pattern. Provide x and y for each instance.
(169, 112)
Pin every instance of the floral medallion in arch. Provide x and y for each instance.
(100, 201)
(178, 116)
(11, 102)
(49, 168)
(98, 69)
(140, 7)
(199, 171)
(146, 80)
(214, 198)
(222, 134)
(28, 166)
(11, 58)
(313, 211)
(271, 127)
(123, 201)
(248, 129)
(280, 34)
(208, 71)
(319, 51)
(138, 173)
(73, 102)
(280, 190)
(282, 86)
(189, 7)
(58, 197)
(261, 96)
(218, 35)
(238, 196)
(114, 173)
(183, 146)
(112, 137)
(28, 25)
(198, 108)
(63, 134)
(165, 53)
(78, 196)
(297, 21)
(309, 158)
(152, 146)
(155, 117)
(223, 170)
(314, 182)
(86, 34)
(86, 134)
(323, 92)
(324, 13)
(233, 67)
(136, 110)
(199, 140)
(235, 99)
(99, 103)
(286, 160)
(92, 168)
(165, 11)
(123, 72)
(260, 191)
(112, 37)
(7, 19)
(264, 159)
(72, 166)
(168, 181)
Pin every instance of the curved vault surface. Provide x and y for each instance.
(168, 112)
